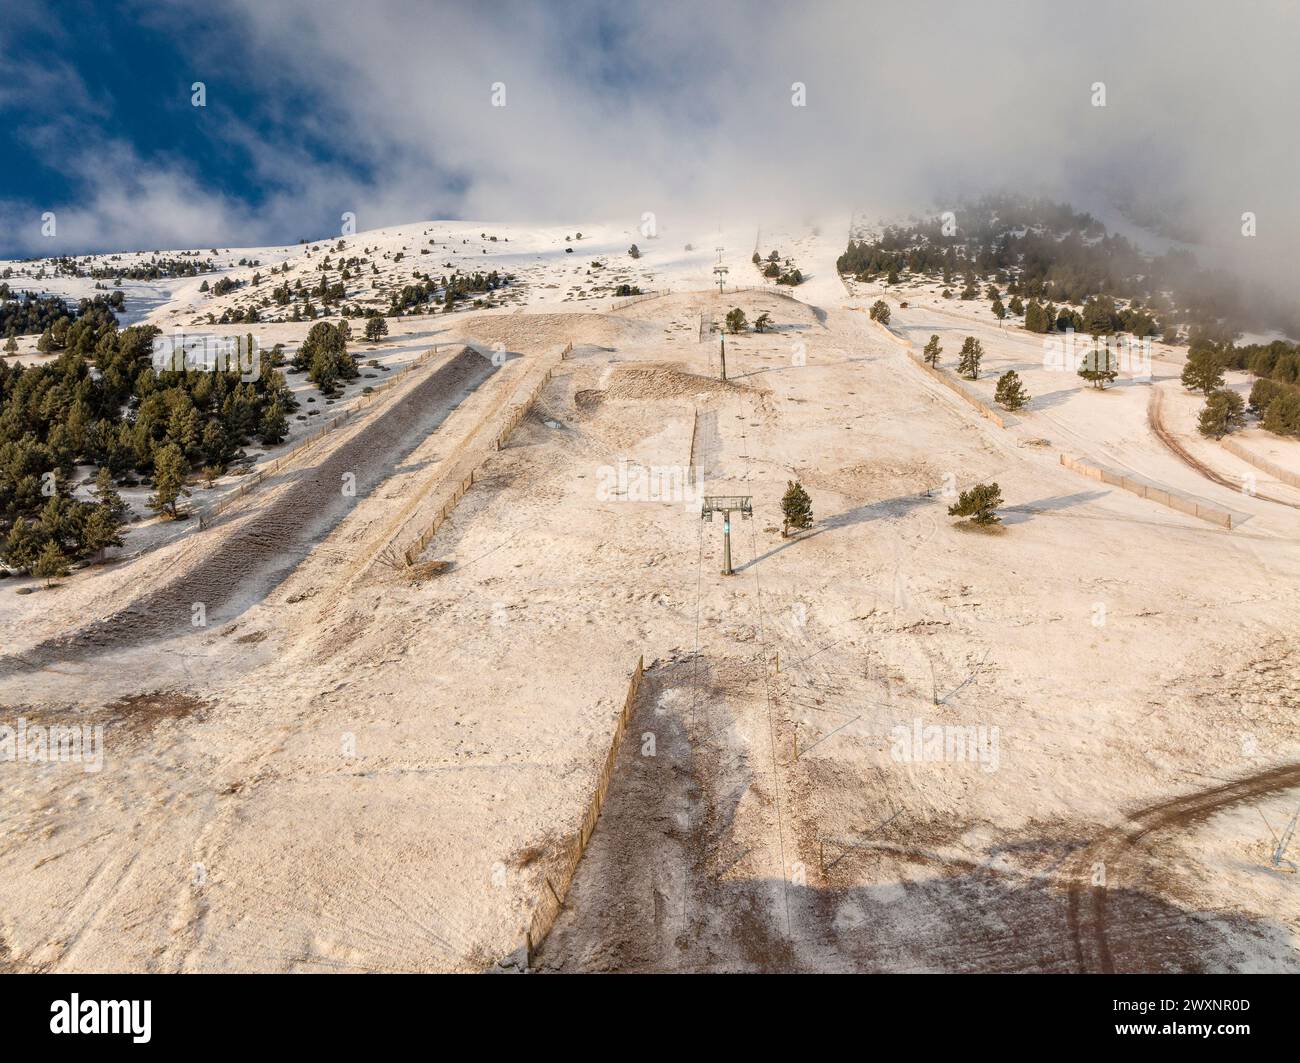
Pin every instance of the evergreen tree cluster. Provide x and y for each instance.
(773, 268)
(1277, 405)
(1275, 394)
(155, 269)
(324, 356)
(444, 289)
(102, 402)
(31, 313)
(1047, 253)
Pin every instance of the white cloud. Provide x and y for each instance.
(684, 108)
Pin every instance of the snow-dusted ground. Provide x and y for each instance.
(370, 773)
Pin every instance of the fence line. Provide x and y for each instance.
(690, 459)
(771, 289)
(207, 512)
(551, 900)
(1286, 476)
(1002, 420)
(521, 410)
(518, 412)
(248, 483)
(426, 537)
(1151, 491)
(631, 300)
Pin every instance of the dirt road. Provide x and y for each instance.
(1111, 927)
(1156, 420)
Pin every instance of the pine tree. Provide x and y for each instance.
(1223, 412)
(1010, 392)
(979, 504)
(11, 346)
(1016, 306)
(796, 508)
(736, 320)
(100, 531)
(932, 351)
(879, 312)
(107, 498)
(376, 329)
(1099, 316)
(1203, 371)
(999, 311)
(1283, 414)
(217, 448)
(763, 322)
(1036, 319)
(23, 544)
(972, 351)
(275, 426)
(50, 564)
(183, 425)
(170, 470)
(1098, 366)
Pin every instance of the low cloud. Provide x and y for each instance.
(686, 110)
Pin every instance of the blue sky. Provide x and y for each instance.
(382, 108)
(316, 108)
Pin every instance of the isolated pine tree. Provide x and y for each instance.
(1223, 412)
(999, 311)
(11, 346)
(979, 504)
(1036, 317)
(972, 351)
(1099, 366)
(763, 322)
(796, 508)
(1010, 392)
(932, 351)
(736, 320)
(880, 312)
(376, 329)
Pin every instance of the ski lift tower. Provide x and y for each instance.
(726, 505)
(720, 271)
